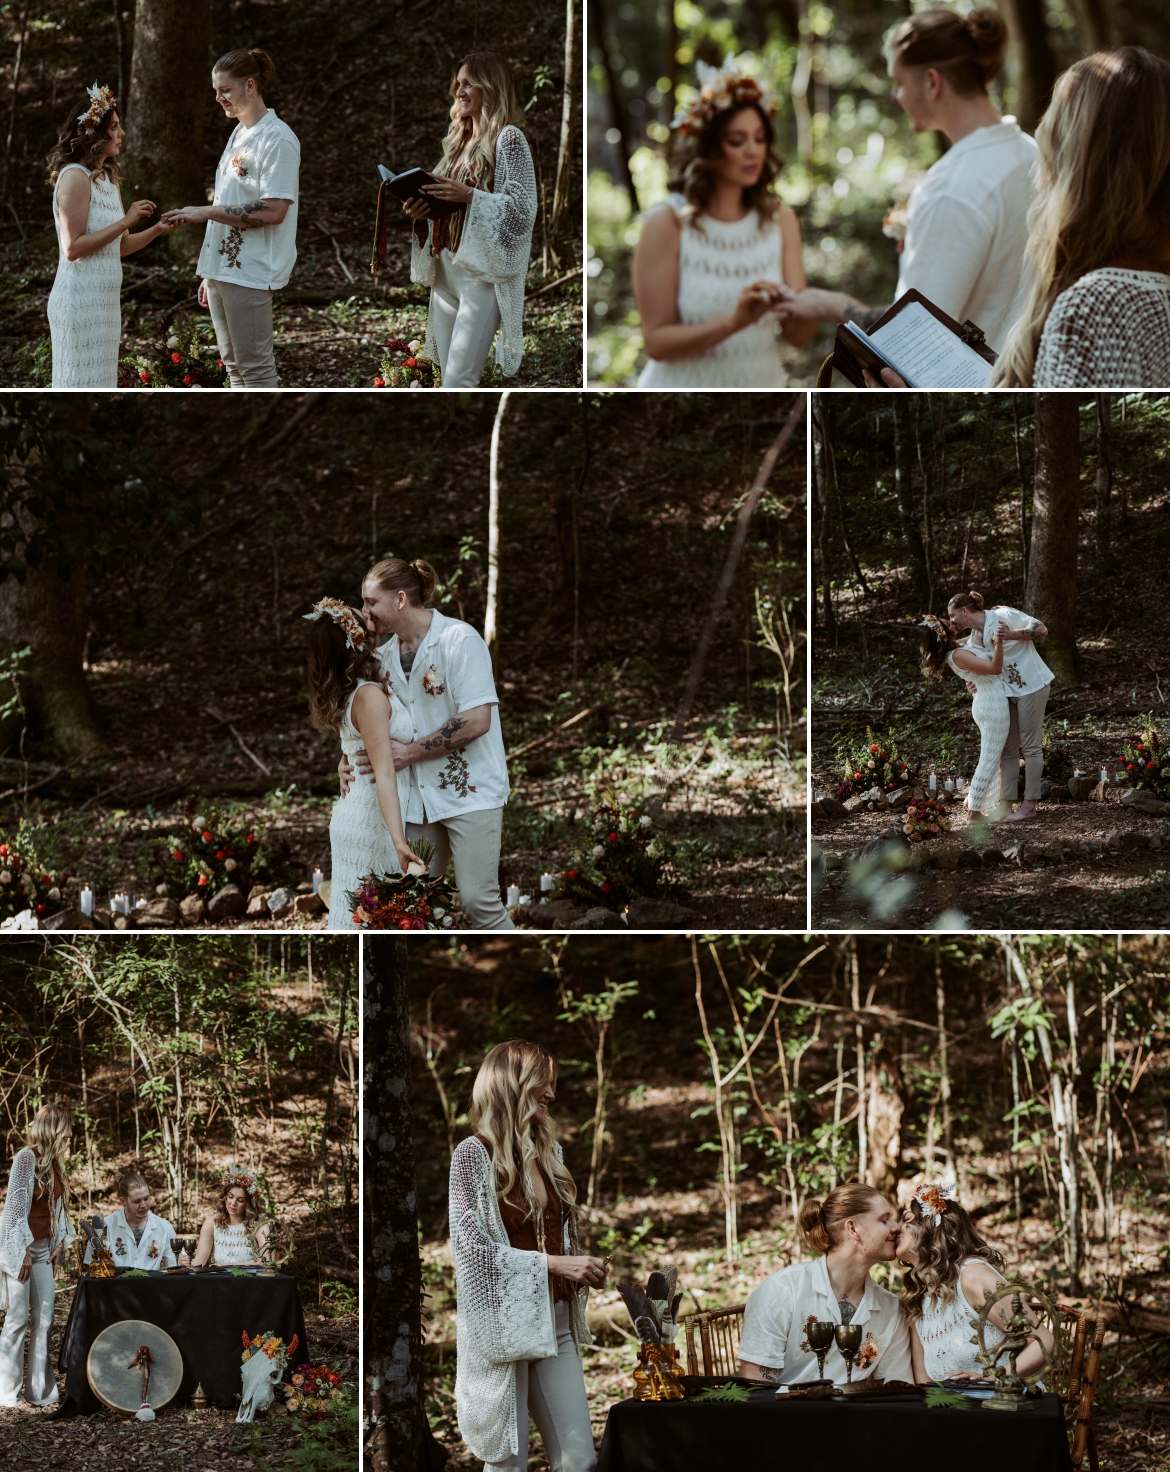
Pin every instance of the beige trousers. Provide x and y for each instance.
(471, 841)
(242, 318)
(1024, 738)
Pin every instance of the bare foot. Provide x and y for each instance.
(1025, 811)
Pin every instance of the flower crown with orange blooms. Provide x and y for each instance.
(101, 99)
(245, 1180)
(722, 88)
(342, 614)
(932, 1202)
(935, 625)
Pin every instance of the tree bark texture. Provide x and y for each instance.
(1052, 571)
(617, 103)
(907, 512)
(1037, 69)
(391, 1271)
(822, 510)
(169, 78)
(565, 148)
(491, 631)
(885, 1106)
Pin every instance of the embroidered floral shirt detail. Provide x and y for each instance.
(451, 673)
(261, 162)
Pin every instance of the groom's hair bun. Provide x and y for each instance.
(968, 50)
(416, 579)
(972, 600)
(820, 1221)
(255, 63)
(131, 1181)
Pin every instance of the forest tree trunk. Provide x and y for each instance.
(491, 635)
(1051, 594)
(1029, 28)
(568, 109)
(617, 103)
(1104, 469)
(915, 551)
(822, 513)
(392, 1271)
(885, 1106)
(169, 79)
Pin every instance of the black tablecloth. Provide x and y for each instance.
(677, 1436)
(205, 1314)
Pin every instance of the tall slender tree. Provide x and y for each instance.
(1051, 594)
(907, 511)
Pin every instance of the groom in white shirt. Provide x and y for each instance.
(137, 1238)
(1026, 681)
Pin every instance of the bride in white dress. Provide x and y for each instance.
(350, 695)
(85, 308)
(234, 1233)
(980, 670)
(951, 1271)
(714, 260)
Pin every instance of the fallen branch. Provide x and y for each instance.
(552, 285)
(337, 253)
(56, 772)
(244, 747)
(97, 797)
(553, 734)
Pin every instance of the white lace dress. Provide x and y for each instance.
(232, 1246)
(358, 837)
(946, 1332)
(1110, 329)
(504, 1307)
(495, 245)
(716, 260)
(85, 304)
(989, 709)
(15, 1236)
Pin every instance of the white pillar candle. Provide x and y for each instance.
(318, 877)
(86, 900)
(960, 783)
(948, 785)
(933, 783)
(1104, 776)
(513, 895)
(546, 883)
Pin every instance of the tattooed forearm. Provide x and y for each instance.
(241, 212)
(445, 737)
(864, 316)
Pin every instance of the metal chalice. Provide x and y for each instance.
(820, 1341)
(848, 1337)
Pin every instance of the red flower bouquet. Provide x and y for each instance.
(313, 1391)
(924, 818)
(412, 901)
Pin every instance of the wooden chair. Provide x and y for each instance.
(1073, 1376)
(719, 1330)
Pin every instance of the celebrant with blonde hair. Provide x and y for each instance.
(93, 234)
(350, 694)
(714, 260)
(475, 260)
(234, 1233)
(951, 1271)
(34, 1232)
(852, 1230)
(521, 1280)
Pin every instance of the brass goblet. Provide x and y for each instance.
(820, 1341)
(848, 1337)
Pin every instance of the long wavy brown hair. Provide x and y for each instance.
(932, 653)
(334, 670)
(75, 146)
(942, 1251)
(490, 72)
(252, 1212)
(699, 159)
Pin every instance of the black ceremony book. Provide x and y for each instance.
(408, 185)
(924, 345)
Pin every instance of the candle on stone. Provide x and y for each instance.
(546, 885)
(948, 785)
(513, 895)
(933, 783)
(1104, 776)
(960, 783)
(318, 879)
(86, 900)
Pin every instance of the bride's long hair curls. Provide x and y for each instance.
(699, 157)
(1104, 187)
(504, 1100)
(966, 50)
(821, 1222)
(48, 1138)
(490, 72)
(934, 644)
(942, 1248)
(334, 670)
(75, 146)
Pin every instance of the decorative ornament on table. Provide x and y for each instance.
(1031, 1309)
(721, 89)
(101, 1264)
(654, 1312)
(265, 1359)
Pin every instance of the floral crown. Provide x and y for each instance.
(932, 1202)
(721, 88)
(341, 613)
(245, 1180)
(101, 99)
(935, 625)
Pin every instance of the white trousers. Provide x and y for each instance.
(464, 319)
(471, 841)
(552, 1391)
(30, 1308)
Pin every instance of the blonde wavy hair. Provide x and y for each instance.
(1104, 187)
(504, 1100)
(942, 1250)
(490, 72)
(48, 1138)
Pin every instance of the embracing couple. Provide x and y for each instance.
(249, 244)
(923, 1335)
(422, 750)
(993, 653)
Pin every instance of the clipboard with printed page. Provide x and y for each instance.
(919, 341)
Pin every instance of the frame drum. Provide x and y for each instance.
(115, 1383)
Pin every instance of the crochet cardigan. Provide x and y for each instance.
(15, 1236)
(504, 1307)
(495, 245)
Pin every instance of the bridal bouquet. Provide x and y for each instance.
(403, 366)
(410, 901)
(621, 858)
(924, 818)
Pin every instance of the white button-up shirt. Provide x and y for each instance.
(1024, 672)
(451, 673)
(779, 1309)
(153, 1251)
(261, 162)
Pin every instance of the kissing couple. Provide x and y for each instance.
(422, 750)
(922, 1335)
(992, 650)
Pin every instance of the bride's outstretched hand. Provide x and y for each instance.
(754, 301)
(813, 304)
